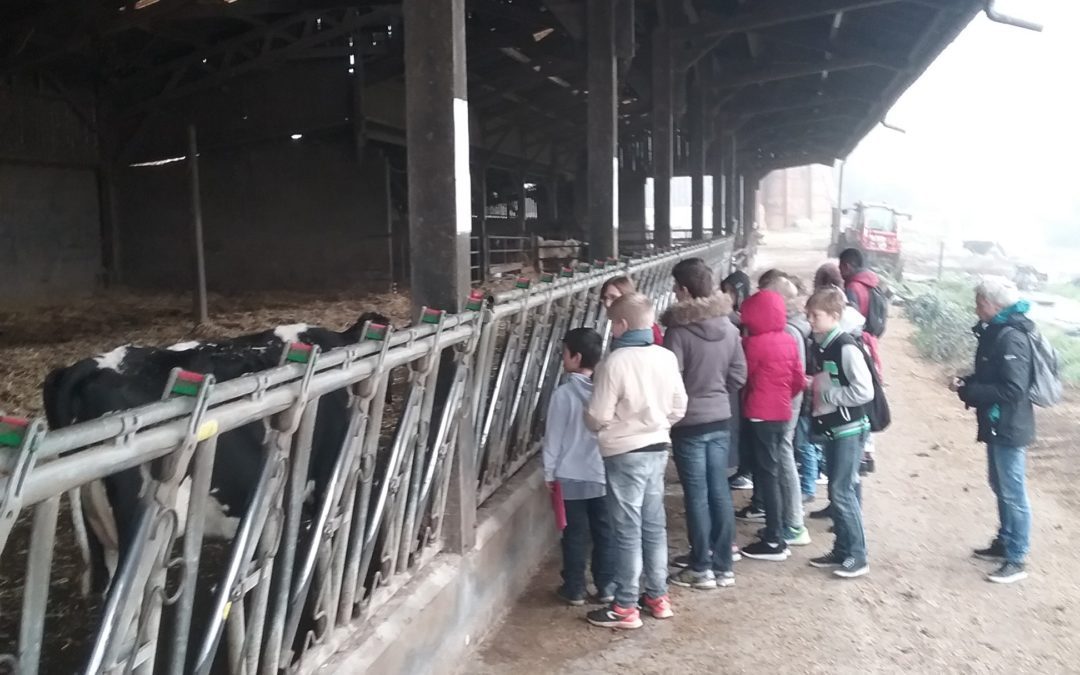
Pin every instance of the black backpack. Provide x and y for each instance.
(878, 315)
(878, 409)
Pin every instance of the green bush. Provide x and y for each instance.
(943, 316)
(943, 328)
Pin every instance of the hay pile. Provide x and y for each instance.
(33, 341)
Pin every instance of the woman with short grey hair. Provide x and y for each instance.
(999, 393)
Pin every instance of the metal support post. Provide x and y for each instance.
(436, 110)
(698, 144)
(201, 313)
(603, 109)
(662, 137)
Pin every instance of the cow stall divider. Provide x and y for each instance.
(305, 571)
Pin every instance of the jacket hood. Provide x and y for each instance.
(798, 321)
(1017, 320)
(865, 277)
(851, 321)
(707, 318)
(764, 312)
(581, 386)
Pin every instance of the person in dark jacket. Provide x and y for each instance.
(999, 393)
(713, 368)
(737, 287)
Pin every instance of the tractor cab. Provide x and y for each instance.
(874, 229)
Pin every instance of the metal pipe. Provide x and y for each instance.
(202, 315)
(36, 584)
(300, 458)
(999, 17)
(193, 540)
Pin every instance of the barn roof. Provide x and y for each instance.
(799, 81)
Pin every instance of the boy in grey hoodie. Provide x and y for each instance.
(713, 368)
(572, 458)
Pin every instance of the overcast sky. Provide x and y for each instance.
(993, 132)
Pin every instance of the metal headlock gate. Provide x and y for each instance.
(299, 578)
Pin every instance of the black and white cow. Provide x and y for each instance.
(131, 376)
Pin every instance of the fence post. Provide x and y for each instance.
(460, 513)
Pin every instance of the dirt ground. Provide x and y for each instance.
(925, 607)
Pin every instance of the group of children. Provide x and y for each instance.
(733, 366)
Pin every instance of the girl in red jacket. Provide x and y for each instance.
(775, 375)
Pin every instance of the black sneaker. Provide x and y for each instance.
(828, 561)
(822, 513)
(626, 618)
(994, 552)
(751, 514)
(852, 568)
(572, 599)
(1008, 573)
(762, 550)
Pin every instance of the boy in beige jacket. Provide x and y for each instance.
(638, 394)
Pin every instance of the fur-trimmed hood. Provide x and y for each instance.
(707, 318)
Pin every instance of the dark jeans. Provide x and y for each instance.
(768, 441)
(843, 456)
(702, 463)
(587, 522)
(745, 444)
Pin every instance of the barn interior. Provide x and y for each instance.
(296, 113)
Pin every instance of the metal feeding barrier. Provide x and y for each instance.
(302, 574)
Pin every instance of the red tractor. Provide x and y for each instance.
(875, 230)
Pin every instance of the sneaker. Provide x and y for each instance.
(681, 561)
(1008, 573)
(808, 499)
(822, 480)
(688, 578)
(762, 550)
(821, 514)
(660, 607)
(725, 579)
(828, 561)
(750, 513)
(741, 483)
(736, 554)
(994, 552)
(852, 568)
(799, 537)
(605, 599)
(572, 599)
(615, 617)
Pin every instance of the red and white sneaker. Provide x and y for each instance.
(615, 617)
(660, 607)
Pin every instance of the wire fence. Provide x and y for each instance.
(303, 571)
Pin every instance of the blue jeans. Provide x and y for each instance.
(1014, 513)
(587, 523)
(811, 462)
(635, 482)
(844, 455)
(702, 462)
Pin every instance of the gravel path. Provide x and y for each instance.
(924, 608)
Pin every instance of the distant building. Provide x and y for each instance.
(804, 193)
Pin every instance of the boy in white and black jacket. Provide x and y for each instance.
(841, 390)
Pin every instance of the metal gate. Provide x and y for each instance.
(296, 579)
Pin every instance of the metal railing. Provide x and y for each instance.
(298, 579)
